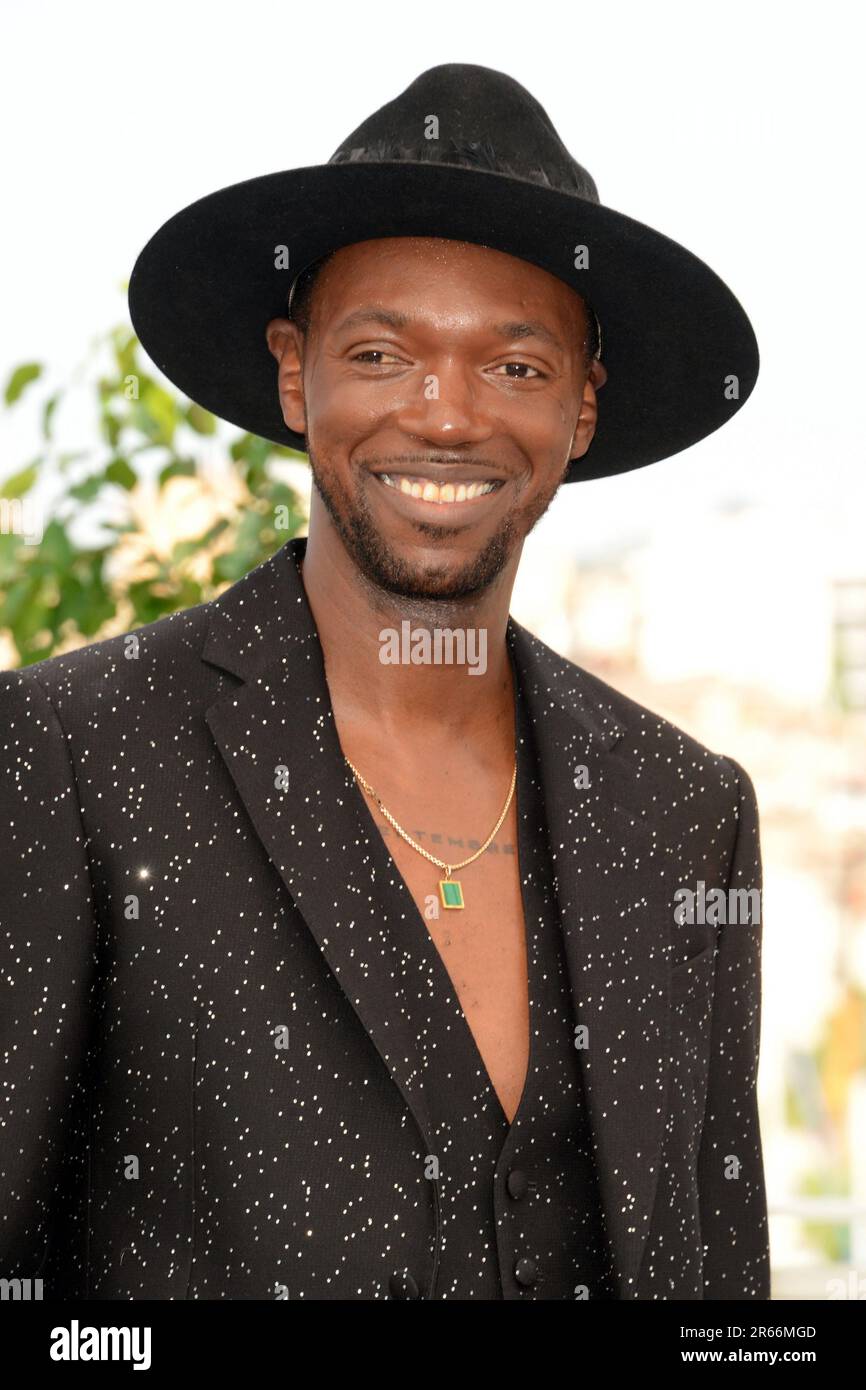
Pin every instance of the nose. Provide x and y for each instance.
(446, 409)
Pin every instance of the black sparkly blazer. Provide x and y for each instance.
(211, 1087)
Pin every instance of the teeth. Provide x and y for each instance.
(432, 492)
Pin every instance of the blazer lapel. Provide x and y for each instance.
(279, 742)
(616, 914)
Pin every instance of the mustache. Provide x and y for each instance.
(445, 458)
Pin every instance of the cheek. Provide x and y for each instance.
(540, 420)
(544, 429)
(341, 411)
(352, 407)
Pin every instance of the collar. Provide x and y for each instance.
(266, 618)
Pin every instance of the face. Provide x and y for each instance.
(443, 389)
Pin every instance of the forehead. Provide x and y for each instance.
(413, 271)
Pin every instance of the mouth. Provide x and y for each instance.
(453, 494)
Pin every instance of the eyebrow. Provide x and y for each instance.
(391, 318)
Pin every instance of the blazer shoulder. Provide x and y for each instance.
(650, 740)
(85, 671)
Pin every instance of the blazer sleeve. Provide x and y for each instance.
(731, 1190)
(47, 957)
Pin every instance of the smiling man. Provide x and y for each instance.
(341, 976)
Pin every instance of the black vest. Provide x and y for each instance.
(520, 1211)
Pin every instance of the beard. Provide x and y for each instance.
(387, 570)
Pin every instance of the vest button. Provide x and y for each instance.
(517, 1183)
(525, 1272)
(402, 1285)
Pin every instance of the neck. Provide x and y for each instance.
(404, 700)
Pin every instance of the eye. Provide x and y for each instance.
(372, 352)
(526, 366)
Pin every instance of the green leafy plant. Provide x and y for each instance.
(97, 567)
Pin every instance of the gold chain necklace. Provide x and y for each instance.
(450, 890)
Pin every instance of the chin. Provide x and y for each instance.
(413, 577)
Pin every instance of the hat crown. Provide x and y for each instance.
(464, 114)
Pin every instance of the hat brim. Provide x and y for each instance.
(680, 352)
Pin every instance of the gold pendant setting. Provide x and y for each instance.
(451, 892)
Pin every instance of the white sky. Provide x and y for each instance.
(737, 130)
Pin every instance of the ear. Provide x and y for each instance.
(285, 341)
(587, 420)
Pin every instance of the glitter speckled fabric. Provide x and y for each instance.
(170, 916)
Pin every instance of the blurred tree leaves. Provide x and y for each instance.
(21, 378)
(57, 592)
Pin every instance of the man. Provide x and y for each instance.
(339, 968)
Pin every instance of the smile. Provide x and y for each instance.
(428, 491)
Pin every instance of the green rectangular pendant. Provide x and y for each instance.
(451, 892)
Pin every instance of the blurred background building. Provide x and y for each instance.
(655, 616)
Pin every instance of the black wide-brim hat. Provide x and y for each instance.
(679, 350)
